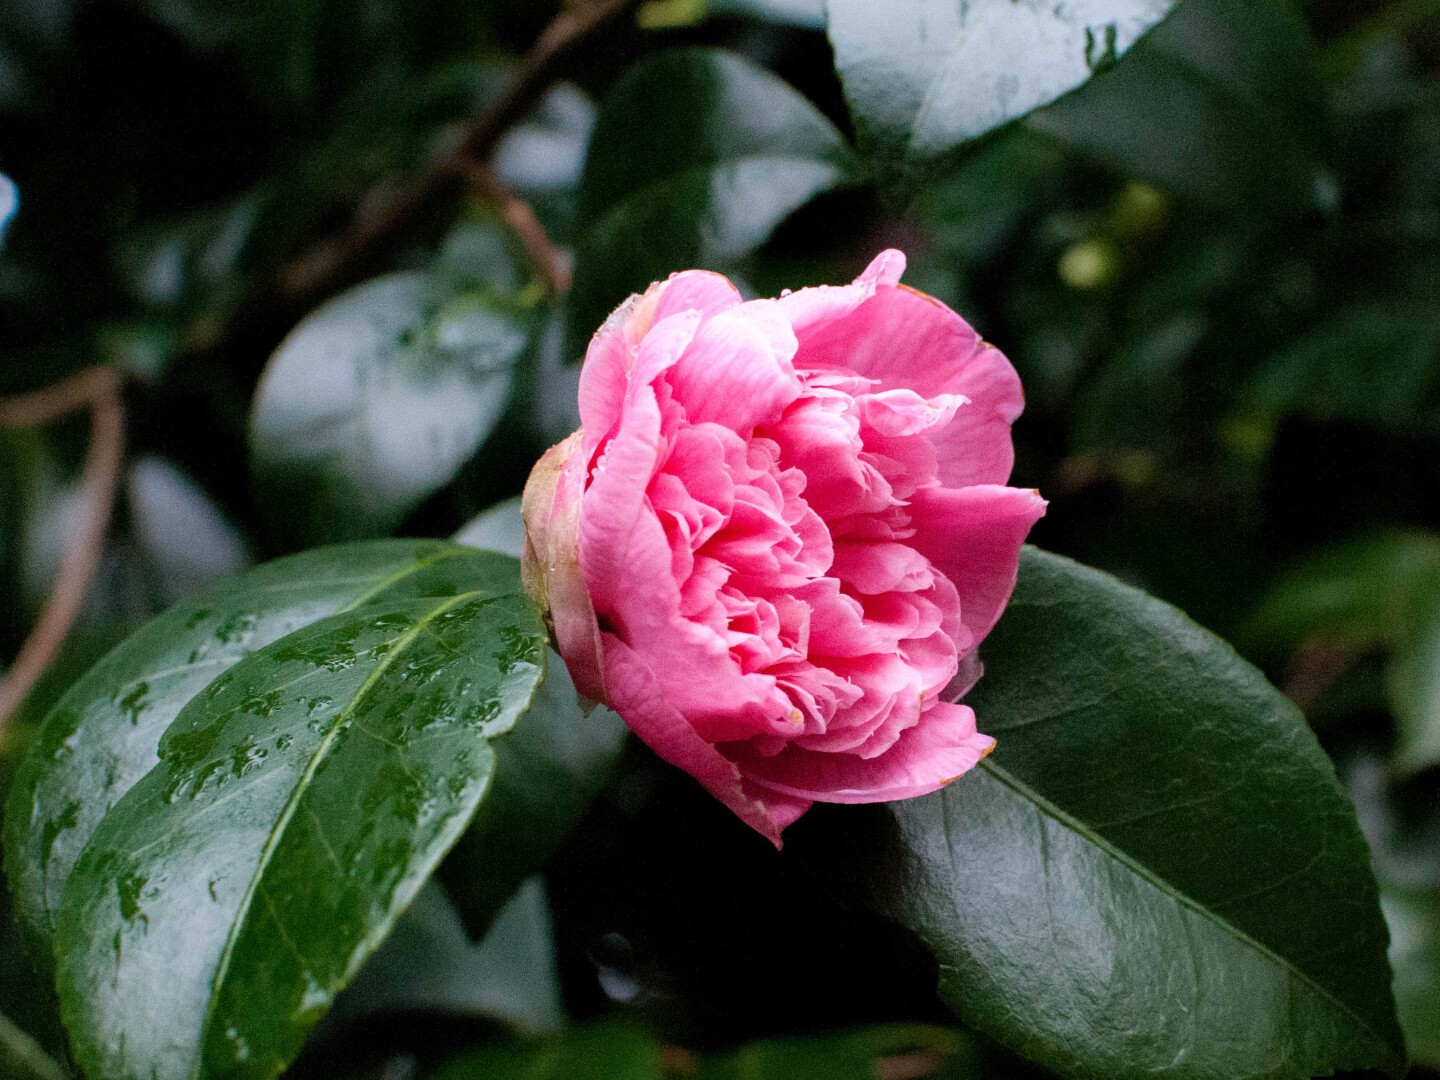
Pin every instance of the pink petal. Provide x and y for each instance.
(696, 290)
(973, 536)
(909, 341)
(635, 694)
(941, 747)
(811, 309)
(731, 375)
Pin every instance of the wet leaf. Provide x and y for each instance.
(300, 802)
(376, 400)
(1148, 874)
(926, 77)
(697, 156)
(102, 735)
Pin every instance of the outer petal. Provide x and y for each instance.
(810, 310)
(907, 340)
(942, 746)
(973, 536)
(637, 696)
(550, 563)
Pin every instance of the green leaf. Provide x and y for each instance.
(428, 964)
(1414, 918)
(1157, 871)
(500, 528)
(697, 156)
(905, 1049)
(299, 803)
(926, 77)
(1413, 682)
(21, 1057)
(1358, 592)
(548, 771)
(1373, 365)
(1234, 111)
(376, 400)
(597, 1052)
(102, 735)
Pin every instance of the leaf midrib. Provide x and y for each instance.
(1147, 875)
(292, 804)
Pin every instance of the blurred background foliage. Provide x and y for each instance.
(1216, 266)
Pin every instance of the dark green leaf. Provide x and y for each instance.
(1413, 682)
(1358, 592)
(1414, 918)
(429, 964)
(299, 803)
(1233, 109)
(926, 77)
(697, 156)
(548, 770)
(376, 400)
(597, 1052)
(1157, 871)
(102, 735)
(21, 1057)
(1373, 365)
(904, 1049)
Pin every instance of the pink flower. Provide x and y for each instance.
(781, 533)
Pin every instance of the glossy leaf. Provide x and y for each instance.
(21, 1057)
(697, 156)
(548, 771)
(375, 401)
(299, 804)
(102, 736)
(1234, 109)
(500, 528)
(926, 77)
(1157, 871)
(428, 964)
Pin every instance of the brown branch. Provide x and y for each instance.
(518, 214)
(99, 388)
(384, 218)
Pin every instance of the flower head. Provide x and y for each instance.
(782, 532)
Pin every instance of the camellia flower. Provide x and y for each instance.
(780, 534)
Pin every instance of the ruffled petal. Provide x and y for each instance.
(636, 694)
(944, 745)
